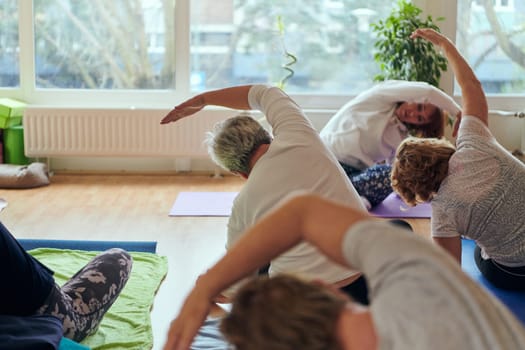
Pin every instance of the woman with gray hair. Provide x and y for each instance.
(293, 159)
(233, 141)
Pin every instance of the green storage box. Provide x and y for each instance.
(14, 146)
(11, 112)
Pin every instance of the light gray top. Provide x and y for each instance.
(420, 297)
(483, 196)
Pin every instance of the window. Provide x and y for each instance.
(491, 35)
(331, 40)
(98, 44)
(9, 45)
(153, 53)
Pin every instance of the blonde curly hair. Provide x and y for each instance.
(419, 167)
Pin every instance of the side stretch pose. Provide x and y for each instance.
(292, 159)
(476, 189)
(365, 133)
(419, 297)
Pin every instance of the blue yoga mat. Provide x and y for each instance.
(515, 301)
(131, 246)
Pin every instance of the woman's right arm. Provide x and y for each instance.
(474, 100)
(304, 218)
(233, 97)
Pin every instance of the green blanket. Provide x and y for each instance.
(127, 324)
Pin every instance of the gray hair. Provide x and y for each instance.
(232, 142)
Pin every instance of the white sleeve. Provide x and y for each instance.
(278, 108)
(418, 92)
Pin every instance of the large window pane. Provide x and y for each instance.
(491, 35)
(238, 41)
(100, 44)
(9, 48)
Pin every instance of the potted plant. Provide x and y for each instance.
(400, 57)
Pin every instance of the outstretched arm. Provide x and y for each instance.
(233, 97)
(474, 100)
(307, 217)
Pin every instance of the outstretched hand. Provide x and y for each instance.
(185, 109)
(191, 317)
(431, 35)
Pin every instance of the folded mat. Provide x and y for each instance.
(127, 324)
(515, 301)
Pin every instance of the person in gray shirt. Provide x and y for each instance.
(476, 189)
(419, 296)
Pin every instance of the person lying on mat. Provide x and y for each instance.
(476, 189)
(28, 287)
(365, 133)
(294, 159)
(419, 297)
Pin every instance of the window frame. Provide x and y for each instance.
(167, 98)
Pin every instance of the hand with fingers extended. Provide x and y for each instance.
(187, 324)
(185, 109)
(431, 35)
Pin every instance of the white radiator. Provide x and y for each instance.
(51, 132)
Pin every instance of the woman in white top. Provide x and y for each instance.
(364, 134)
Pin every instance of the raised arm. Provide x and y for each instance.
(473, 98)
(306, 217)
(233, 97)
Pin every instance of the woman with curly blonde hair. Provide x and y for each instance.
(420, 167)
(476, 190)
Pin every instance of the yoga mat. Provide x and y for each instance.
(203, 204)
(515, 301)
(130, 246)
(127, 324)
(394, 207)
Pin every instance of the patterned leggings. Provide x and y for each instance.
(372, 183)
(82, 301)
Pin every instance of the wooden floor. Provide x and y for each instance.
(132, 207)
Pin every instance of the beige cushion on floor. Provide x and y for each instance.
(23, 176)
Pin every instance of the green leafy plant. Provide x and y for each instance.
(289, 56)
(402, 58)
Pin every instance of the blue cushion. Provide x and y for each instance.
(130, 246)
(41, 332)
(515, 301)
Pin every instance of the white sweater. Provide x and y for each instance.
(365, 131)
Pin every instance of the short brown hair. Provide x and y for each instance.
(419, 167)
(283, 313)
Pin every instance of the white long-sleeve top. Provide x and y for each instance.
(365, 131)
(296, 161)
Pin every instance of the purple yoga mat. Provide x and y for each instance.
(394, 207)
(220, 204)
(203, 204)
